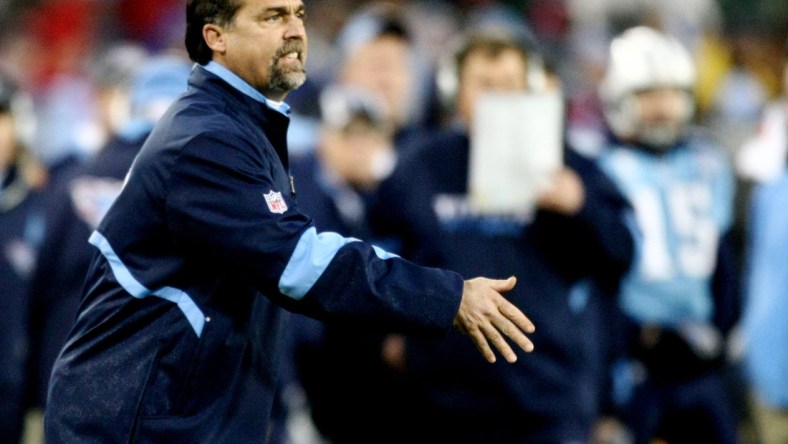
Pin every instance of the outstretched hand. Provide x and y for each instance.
(486, 317)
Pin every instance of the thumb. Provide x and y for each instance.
(503, 285)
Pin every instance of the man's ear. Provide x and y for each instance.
(214, 38)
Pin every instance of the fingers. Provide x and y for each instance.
(493, 335)
(480, 340)
(488, 319)
(515, 334)
(513, 314)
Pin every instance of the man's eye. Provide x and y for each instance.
(271, 18)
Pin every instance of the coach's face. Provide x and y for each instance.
(484, 72)
(265, 44)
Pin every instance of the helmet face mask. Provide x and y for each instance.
(647, 89)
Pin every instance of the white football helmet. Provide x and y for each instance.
(643, 59)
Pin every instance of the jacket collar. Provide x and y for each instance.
(271, 117)
(241, 85)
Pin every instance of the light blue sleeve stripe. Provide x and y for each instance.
(186, 304)
(311, 258)
(383, 254)
(122, 274)
(192, 312)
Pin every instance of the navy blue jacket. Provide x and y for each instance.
(178, 335)
(550, 394)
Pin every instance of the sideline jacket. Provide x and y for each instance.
(550, 394)
(178, 333)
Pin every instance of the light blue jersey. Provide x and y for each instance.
(683, 202)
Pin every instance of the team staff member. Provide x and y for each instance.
(352, 392)
(177, 337)
(576, 242)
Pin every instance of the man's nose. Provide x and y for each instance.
(295, 28)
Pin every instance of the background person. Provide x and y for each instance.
(680, 299)
(379, 54)
(575, 241)
(762, 166)
(22, 182)
(764, 331)
(352, 392)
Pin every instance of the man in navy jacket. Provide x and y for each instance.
(178, 333)
(575, 245)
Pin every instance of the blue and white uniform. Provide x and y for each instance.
(683, 205)
(680, 299)
(178, 334)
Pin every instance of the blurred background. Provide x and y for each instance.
(73, 60)
(54, 49)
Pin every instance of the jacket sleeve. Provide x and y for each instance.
(218, 211)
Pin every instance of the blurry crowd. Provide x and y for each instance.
(653, 261)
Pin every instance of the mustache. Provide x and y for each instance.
(288, 47)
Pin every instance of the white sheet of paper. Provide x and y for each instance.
(516, 145)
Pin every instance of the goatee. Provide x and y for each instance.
(285, 78)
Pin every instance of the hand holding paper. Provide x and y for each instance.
(516, 147)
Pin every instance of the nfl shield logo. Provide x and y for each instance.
(275, 202)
